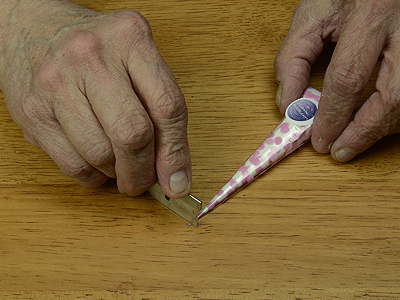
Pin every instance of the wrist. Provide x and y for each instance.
(18, 15)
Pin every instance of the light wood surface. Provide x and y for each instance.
(307, 228)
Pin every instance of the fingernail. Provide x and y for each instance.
(279, 95)
(345, 154)
(178, 182)
(330, 146)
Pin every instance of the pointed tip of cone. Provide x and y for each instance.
(201, 214)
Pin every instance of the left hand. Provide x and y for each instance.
(365, 31)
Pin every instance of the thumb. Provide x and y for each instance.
(172, 148)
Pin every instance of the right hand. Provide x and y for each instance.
(92, 91)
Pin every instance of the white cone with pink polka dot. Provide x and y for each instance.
(293, 131)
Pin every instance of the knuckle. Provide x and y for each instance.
(133, 28)
(83, 173)
(133, 18)
(83, 47)
(30, 138)
(307, 10)
(176, 153)
(301, 8)
(133, 134)
(33, 110)
(132, 24)
(280, 62)
(369, 134)
(348, 80)
(79, 171)
(100, 155)
(137, 187)
(373, 124)
(30, 107)
(49, 77)
(170, 108)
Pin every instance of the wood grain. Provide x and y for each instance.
(308, 228)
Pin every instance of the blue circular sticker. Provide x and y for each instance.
(302, 111)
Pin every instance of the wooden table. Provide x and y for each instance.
(308, 228)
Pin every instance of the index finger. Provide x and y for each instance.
(127, 124)
(313, 22)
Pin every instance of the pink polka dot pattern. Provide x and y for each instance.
(283, 140)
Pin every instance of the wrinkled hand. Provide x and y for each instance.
(92, 91)
(365, 31)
